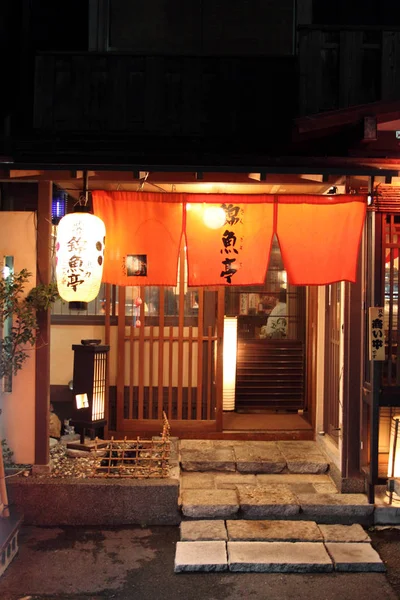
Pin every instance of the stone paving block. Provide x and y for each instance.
(299, 446)
(273, 531)
(264, 457)
(325, 488)
(193, 480)
(355, 557)
(208, 459)
(301, 488)
(289, 478)
(303, 457)
(206, 444)
(278, 557)
(267, 502)
(333, 506)
(200, 556)
(200, 531)
(231, 480)
(301, 450)
(200, 504)
(344, 533)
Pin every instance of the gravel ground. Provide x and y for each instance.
(386, 541)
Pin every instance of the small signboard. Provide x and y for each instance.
(243, 304)
(376, 333)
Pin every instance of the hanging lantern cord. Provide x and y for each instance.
(84, 195)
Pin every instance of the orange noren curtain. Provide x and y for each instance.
(143, 236)
(319, 237)
(237, 251)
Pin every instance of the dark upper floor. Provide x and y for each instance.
(179, 81)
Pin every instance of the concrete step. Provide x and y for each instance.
(275, 547)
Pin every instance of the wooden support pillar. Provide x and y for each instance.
(42, 387)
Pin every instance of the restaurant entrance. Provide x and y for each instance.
(270, 373)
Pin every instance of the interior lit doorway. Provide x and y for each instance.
(270, 374)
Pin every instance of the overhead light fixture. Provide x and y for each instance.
(214, 217)
(80, 255)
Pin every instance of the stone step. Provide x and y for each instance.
(275, 547)
(274, 501)
(270, 531)
(276, 557)
(252, 457)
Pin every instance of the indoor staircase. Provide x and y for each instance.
(270, 374)
(268, 506)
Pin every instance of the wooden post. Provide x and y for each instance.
(42, 388)
(4, 510)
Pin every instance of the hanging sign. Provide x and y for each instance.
(233, 250)
(376, 333)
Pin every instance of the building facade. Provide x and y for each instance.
(283, 99)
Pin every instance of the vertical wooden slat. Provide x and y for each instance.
(199, 397)
(209, 370)
(161, 357)
(107, 340)
(170, 369)
(151, 368)
(141, 357)
(311, 346)
(218, 376)
(180, 330)
(131, 368)
(121, 357)
(190, 373)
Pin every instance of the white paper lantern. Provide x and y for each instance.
(79, 257)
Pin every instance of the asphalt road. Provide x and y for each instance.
(137, 564)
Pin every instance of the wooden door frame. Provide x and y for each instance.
(329, 375)
(311, 354)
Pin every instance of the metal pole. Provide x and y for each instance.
(396, 432)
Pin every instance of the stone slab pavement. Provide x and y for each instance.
(279, 557)
(252, 457)
(355, 557)
(80, 563)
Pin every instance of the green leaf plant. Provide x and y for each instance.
(19, 309)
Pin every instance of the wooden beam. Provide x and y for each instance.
(43, 275)
(15, 173)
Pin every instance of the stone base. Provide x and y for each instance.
(52, 502)
(347, 485)
(41, 469)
